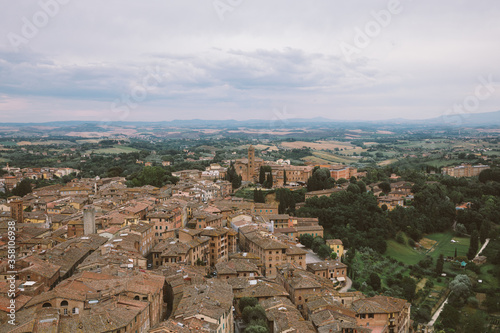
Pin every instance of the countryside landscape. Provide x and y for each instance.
(410, 227)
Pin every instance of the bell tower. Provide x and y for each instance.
(251, 163)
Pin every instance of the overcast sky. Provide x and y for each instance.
(247, 59)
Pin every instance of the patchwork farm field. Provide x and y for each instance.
(45, 143)
(115, 150)
(318, 145)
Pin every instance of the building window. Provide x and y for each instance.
(75, 311)
(371, 315)
(64, 303)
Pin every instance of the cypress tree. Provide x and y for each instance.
(262, 175)
(439, 265)
(484, 231)
(474, 245)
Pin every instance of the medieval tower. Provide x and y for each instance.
(89, 220)
(251, 162)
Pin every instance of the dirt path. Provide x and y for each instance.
(437, 313)
(483, 247)
(348, 285)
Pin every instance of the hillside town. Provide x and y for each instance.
(94, 255)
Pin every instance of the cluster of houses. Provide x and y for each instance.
(95, 256)
(14, 175)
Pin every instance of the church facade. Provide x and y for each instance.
(248, 168)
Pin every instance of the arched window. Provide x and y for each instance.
(46, 305)
(64, 303)
(136, 298)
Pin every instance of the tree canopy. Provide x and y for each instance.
(152, 175)
(320, 180)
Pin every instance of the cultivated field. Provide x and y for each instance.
(115, 150)
(318, 145)
(45, 143)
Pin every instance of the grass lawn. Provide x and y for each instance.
(442, 245)
(403, 253)
(489, 280)
(445, 245)
(247, 193)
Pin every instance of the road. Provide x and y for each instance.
(482, 247)
(312, 257)
(348, 285)
(437, 313)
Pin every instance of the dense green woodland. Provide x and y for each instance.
(354, 215)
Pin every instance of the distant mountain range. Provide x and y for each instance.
(452, 120)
